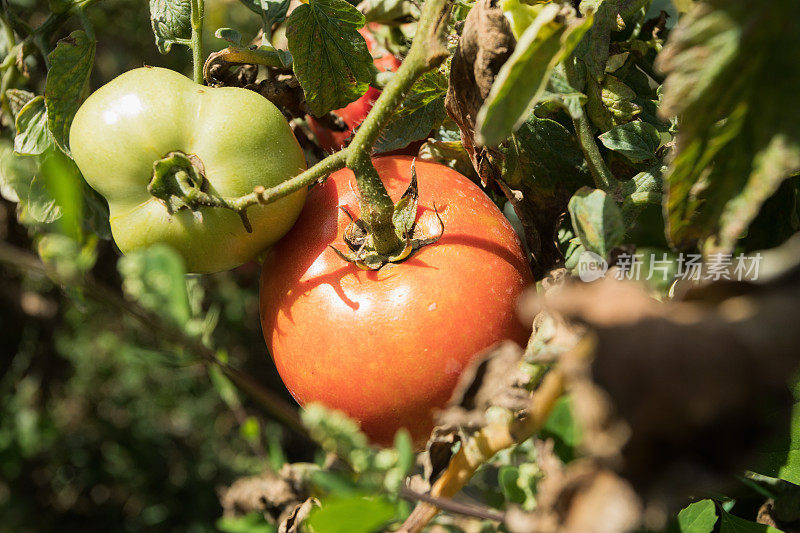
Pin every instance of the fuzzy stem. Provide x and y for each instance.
(428, 50)
(198, 8)
(603, 178)
(482, 446)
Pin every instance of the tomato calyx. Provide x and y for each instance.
(358, 236)
(179, 182)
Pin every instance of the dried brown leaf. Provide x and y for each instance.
(486, 43)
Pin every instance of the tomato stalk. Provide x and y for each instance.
(482, 446)
(428, 51)
(198, 8)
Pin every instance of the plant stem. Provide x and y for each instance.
(428, 50)
(318, 172)
(160, 329)
(198, 8)
(603, 178)
(480, 447)
(453, 506)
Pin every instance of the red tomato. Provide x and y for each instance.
(355, 112)
(387, 346)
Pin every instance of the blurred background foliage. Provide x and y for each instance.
(82, 448)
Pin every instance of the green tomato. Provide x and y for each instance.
(241, 139)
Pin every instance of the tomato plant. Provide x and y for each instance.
(126, 126)
(353, 113)
(387, 346)
(647, 152)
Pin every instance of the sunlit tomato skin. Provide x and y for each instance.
(240, 137)
(387, 347)
(354, 112)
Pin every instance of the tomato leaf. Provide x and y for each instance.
(39, 206)
(17, 98)
(782, 460)
(730, 67)
(645, 188)
(155, 277)
(16, 173)
(597, 220)
(33, 136)
(698, 517)
(171, 21)
(331, 59)
(729, 523)
(638, 141)
(71, 63)
(271, 11)
(354, 514)
(422, 111)
(522, 79)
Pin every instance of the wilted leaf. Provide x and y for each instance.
(33, 136)
(71, 63)
(734, 70)
(699, 517)
(485, 44)
(523, 78)
(331, 59)
(597, 220)
(638, 141)
(171, 21)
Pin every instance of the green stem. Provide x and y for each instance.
(198, 8)
(603, 178)
(428, 50)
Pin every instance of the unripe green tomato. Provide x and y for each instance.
(241, 139)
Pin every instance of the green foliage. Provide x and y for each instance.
(249, 523)
(597, 220)
(67, 81)
(699, 517)
(331, 59)
(422, 111)
(271, 11)
(171, 21)
(354, 514)
(33, 136)
(638, 141)
(739, 136)
(522, 79)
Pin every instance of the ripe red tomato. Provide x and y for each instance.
(387, 346)
(354, 112)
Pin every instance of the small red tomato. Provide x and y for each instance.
(354, 112)
(387, 347)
